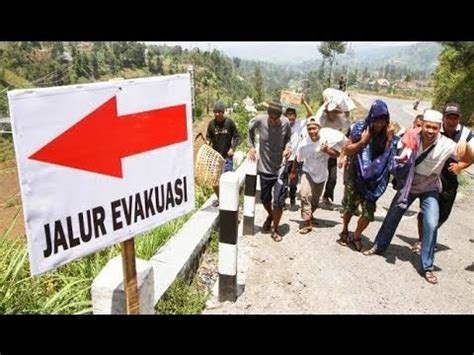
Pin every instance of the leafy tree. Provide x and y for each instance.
(258, 80)
(236, 62)
(329, 51)
(454, 78)
(57, 50)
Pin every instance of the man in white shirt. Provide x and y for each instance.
(314, 154)
(298, 126)
(335, 114)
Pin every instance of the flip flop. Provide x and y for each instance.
(267, 225)
(343, 239)
(305, 230)
(276, 237)
(430, 277)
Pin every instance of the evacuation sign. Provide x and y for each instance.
(101, 163)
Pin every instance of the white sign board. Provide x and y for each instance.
(101, 163)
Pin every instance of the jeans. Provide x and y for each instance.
(430, 207)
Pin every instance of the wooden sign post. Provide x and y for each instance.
(130, 276)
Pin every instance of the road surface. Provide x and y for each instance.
(313, 274)
(401, 110)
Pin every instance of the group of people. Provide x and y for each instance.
(423, 163)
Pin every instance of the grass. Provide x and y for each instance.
(214, 242)
(149, 242)
(67, 289)
(6, 150)
(182, 298)
(64, 290)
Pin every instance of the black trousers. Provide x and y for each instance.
(332, 179)
(446, 202)
(293, 185)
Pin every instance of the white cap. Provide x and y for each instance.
(433, 116)
(313, 120)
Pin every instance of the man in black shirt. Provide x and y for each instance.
(223, 136)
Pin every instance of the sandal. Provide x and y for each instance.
(267, 225)
(276, 237)
(430, 277)
(305, 230)
(357, 243)
(343, 239)
(372, 251)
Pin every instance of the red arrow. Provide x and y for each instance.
(100, 140)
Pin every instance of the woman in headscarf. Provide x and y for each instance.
(370, 150)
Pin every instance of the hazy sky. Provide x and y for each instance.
(277, 52)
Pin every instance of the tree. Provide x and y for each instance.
(329, 51)
(321, 71)
(454, 78)
(365, 73)
(352, 78)
(158, 66)
(57, 50)
(95, 67)
(386, 71)
(258, 80)
(236, 62)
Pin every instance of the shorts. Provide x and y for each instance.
(228, 165)
(269, 182)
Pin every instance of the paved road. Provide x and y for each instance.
(400, 110)
(313, 274)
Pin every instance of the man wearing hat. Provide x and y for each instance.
(274, 145)
(223, 136)
(431, 151)
(454, 130)
(298, 127)
(314, 153)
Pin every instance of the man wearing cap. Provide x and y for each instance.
(297, 131)
(223, 136)
(314, 154)
(431, 151)
(274, 145)
(457, 132)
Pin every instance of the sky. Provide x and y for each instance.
(276, 52)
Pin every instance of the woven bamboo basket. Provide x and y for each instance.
(209, 166)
